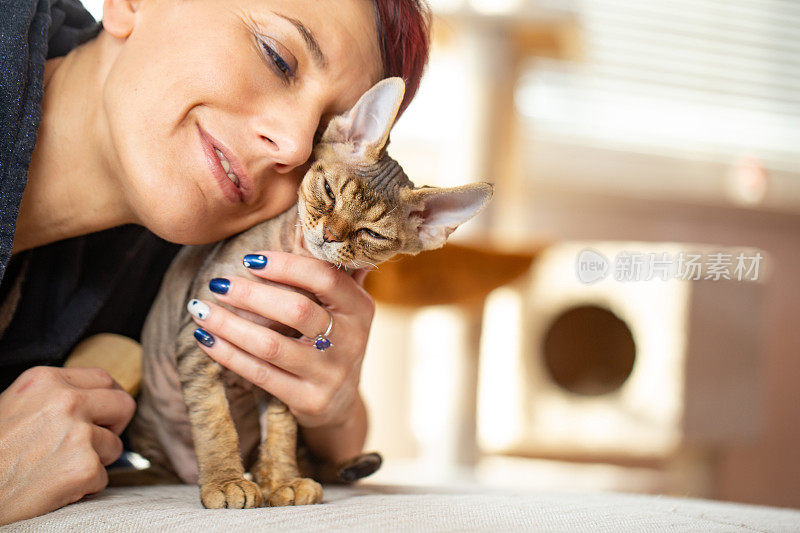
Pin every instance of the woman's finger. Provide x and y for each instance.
(281, 384)
(270, 346)
(88, 378)
(281, 305)
(107, 445)
(109, 408)
(334, 288)
(360, 275)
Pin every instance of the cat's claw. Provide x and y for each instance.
(300, 491)
(236, 494)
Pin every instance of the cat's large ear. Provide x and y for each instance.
(442, 210)
(365, 128)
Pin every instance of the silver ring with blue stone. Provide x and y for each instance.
(321, 341)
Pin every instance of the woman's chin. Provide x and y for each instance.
(186, 230)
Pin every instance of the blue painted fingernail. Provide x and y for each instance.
(256, 262)
(219, 285)
(204, 337)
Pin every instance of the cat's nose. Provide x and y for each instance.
(329, 236)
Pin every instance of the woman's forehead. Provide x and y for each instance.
(340, 36)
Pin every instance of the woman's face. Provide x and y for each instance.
(252, 80)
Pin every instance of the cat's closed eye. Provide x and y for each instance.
(373, 234)
(329, 192)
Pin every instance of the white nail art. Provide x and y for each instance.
(198, 309)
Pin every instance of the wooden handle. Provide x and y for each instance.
(119, 356)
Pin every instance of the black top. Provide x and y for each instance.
(68, 290)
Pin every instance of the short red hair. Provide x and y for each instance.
(404, 38)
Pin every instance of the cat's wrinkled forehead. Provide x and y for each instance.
(385, 177)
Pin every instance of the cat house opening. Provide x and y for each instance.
(588, 350)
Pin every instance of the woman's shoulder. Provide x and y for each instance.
(42, 29)
(30, 32)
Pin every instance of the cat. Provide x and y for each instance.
(197, 422)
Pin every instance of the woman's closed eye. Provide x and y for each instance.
(283, 65)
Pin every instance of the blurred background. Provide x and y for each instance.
(616, 126)
(611, 125)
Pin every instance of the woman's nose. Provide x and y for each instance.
(289, 145)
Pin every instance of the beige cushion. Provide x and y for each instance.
(384, 508)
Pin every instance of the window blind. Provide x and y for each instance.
(720, 78)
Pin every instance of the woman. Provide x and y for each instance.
(117, 170)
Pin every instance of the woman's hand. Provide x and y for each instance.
(319, 387)
(59, 428)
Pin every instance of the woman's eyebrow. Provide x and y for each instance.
(311, 42)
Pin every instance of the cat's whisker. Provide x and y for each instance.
(357, 263)
(374, 266)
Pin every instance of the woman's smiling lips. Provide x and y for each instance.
(232, 191)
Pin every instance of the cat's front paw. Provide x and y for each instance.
(300, 491)
(232, 494)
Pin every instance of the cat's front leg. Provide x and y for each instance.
(276, 472)
(216, 444)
